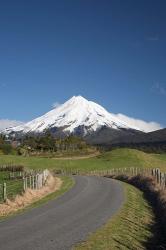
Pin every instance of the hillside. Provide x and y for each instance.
(149, 142)
(155, 136)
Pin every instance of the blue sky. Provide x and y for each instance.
(112, 52)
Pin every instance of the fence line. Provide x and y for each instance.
(32, 180)
(16, 175)
(11, 167)
(155, 173)
(35, 181)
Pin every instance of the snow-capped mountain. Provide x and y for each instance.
(76, 116)
(76, 112)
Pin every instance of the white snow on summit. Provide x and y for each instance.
(76, 112)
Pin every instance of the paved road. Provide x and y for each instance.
(63, 222)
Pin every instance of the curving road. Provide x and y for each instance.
(64, 222)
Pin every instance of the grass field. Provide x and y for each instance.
(129, 229)
(161, 156)
(118, 158)
(14, 187)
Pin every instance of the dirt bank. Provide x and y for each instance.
(30, 196)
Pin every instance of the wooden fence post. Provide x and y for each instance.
(165, 179)
(24, 185)
(26, 182)
(4, 192)
(30, 181)
(162, 180)
(33, 182)
(36, 177)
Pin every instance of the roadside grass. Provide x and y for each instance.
(117, 158)
(14, 187)
(129, 229)
(67, 184)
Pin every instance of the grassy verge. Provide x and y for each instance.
(67, 184)
(129, 229)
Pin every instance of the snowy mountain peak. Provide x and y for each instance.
(75, 114)
(76, 100)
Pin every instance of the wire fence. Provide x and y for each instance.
(11, 168)
(155, 173)
(18, 182)
(16, 175)
(35, 180)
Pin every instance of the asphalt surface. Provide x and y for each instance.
(66, 221)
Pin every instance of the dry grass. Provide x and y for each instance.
(21, 201)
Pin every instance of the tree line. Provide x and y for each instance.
(48, 143)
(42, 143)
